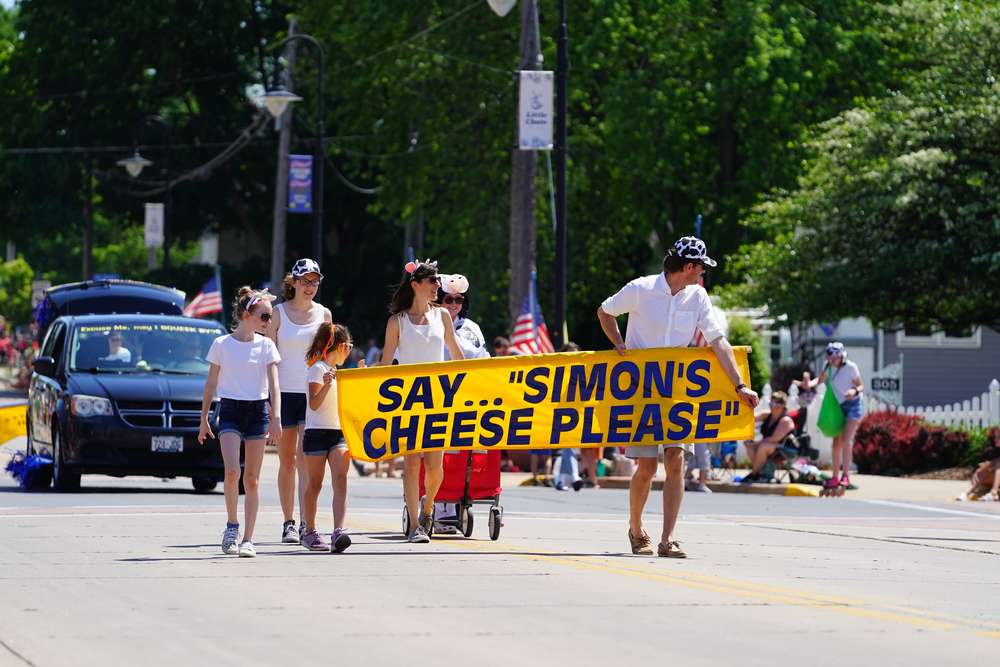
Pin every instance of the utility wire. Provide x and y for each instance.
(108, 91)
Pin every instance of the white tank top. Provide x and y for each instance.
(421, 343)
(293, 341)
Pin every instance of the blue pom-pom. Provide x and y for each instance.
(31, 472)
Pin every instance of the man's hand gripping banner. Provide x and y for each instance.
(581, 399)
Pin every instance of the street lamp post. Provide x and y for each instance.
(276, 99)
(134, 165)
(562, 76)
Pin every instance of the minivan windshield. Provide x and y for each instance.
(143, 346)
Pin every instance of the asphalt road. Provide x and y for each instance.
(130, 572)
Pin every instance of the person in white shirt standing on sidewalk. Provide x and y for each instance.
(663, 311)
(292, 329)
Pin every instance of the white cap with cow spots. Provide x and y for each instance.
(693, 248)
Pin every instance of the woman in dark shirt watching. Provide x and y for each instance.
(776, 425)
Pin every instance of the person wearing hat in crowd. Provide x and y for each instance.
(845, 380)
(664, 310)
(293, 325)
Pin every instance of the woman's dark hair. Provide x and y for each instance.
(465, 304)
(570, 346)
(321, 339)
(288, 288)
(674, 263)
(402, 298)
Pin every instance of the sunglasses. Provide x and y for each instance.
(311, 283)
(435, 279)
(454, 299)
(264, 317)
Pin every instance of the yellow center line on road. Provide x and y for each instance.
(728, 586)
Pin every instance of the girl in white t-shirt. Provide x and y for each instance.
(323, 442)
(244, 374)
(846, 384)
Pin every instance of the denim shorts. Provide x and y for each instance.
(322, 441)
(541, 452)
(247, 418)
(853, 408)
(293, 409)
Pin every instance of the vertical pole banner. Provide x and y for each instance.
(572, 399)
(153, 231)
(535, 115)
(300, 183)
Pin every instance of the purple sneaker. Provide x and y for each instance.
(314, 542)
(340, 540)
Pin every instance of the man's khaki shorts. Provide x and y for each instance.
(655, 451)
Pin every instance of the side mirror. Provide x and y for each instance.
(45, 366)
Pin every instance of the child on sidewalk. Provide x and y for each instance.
(323, 441)
(244, 373)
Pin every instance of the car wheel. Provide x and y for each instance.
(204, 483)
(63, 477)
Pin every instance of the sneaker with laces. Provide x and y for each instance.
(288, 533)
(231, 540)
(561, 487)
(247, 550)
(340, 540)
(302, 529)
(702, 488)
(641, 545)
(418, 536)
(424, 520)
(313, 541)
(670, 550)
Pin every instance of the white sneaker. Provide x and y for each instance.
(247, 550)
(989, 498)
(230, 541)
(289, 535)
(703, 488)
(418, 536)
(963, 498)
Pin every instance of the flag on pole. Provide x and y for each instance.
(530, 334)
(208, 300)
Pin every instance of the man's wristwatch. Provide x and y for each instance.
(741, 385)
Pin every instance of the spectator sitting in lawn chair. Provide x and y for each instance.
(985, 482)
(775, 427)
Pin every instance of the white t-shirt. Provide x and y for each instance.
(658, 319)
(328, 415)
(243, 366)
(842, 379)
(122, 354)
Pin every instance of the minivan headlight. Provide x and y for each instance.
(91, 406)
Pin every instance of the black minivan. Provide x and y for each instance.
(120, 394)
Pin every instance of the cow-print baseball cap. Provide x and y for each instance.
(693, 248)
(304, 266)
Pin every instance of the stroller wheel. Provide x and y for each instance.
(406, 521)
(465, 520)
(495, 522)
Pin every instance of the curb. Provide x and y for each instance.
(800, 490)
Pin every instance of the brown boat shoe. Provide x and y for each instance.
(641, 545)
(670, 550)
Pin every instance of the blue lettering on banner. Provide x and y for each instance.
(435, 424)
(633, 386)
(398, 432)
(517, 424)
(699, 380)
(564, 420)
(664, 383)
(709, 414)
(650, 423)
(593, 386)
(589, 437)
(371, 450)
(557, 384)
(450, 388)
(488, 424)
(616, 423)
(461, 423)
(385, 391)
(682, 423)
(420, 392)
(531, 381)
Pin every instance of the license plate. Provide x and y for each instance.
(168, 443)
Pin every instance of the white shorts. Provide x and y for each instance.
(655, 451)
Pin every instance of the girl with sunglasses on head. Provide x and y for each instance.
(243, 372)
(418, 332)
(845, 381)
(324, 441)
(293, 328)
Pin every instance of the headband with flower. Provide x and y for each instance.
(412, 267)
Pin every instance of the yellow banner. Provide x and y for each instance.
(13, 421)
(573, 399)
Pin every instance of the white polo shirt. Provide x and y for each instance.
(658, 319)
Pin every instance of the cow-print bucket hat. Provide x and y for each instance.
(693, 248)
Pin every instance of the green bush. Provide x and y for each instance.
(15, 291)
(741, 332)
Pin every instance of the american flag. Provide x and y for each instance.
(530, 334)
(208, 301)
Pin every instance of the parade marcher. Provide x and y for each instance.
(243, 372)
(664, 310)
(418, 332)
(294, 324)
(324, 441)
(845, 381)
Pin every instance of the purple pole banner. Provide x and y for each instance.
(300, 183)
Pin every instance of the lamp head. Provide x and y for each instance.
(277, 100)
(134, 163)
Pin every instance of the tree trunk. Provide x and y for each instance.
(522, 193)
(88, 220)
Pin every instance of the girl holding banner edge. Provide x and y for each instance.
(418, 332)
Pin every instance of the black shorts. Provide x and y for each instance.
(322, 441)
(293, 409)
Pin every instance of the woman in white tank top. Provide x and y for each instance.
(417, 333)
(293, 324)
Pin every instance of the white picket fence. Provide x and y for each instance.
(980, 411)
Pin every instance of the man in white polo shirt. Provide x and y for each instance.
(663, 311)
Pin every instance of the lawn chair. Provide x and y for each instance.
(723, 459)
(795, 446)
